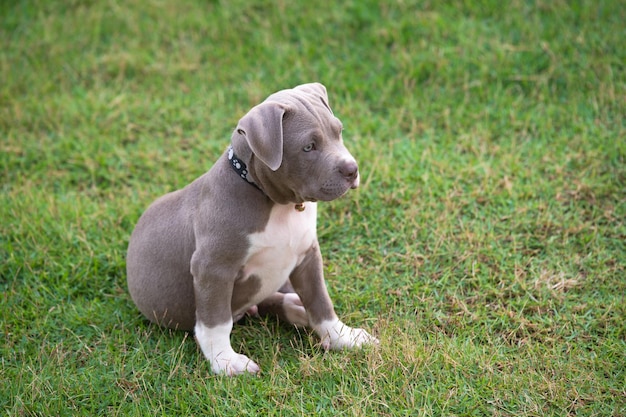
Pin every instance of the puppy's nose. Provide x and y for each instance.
(349, 170)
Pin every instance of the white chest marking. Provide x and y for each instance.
(280, 247)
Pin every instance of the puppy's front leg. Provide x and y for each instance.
(214, 321)
(308, 282)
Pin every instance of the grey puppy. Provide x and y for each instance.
(242, 237)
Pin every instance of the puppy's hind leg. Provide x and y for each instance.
(286, 306)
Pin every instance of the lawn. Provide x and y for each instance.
(485, 247)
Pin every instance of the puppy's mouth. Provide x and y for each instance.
(332, 189)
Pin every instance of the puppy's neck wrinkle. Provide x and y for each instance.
(279, 193)
(257, 173)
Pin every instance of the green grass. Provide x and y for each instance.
(485, 248)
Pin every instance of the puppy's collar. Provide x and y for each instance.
(242, 170)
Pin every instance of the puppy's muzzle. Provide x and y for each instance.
(350, 171)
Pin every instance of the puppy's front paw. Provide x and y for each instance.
(232, 363)
(336, 336)
(215, 345)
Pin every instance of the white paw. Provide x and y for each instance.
(215, 345)
(231, 363)
(336, 336)
(294, 310)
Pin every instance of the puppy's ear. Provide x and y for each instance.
(263, 129)
(318, 90)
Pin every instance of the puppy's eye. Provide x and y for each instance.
(310, 147)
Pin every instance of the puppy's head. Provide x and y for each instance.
(297, 151)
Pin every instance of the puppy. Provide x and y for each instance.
(242, 237)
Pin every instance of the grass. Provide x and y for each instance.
(485, 248)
